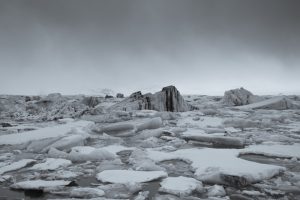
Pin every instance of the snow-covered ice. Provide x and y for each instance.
(214, 151)
(51, 164)
(216, 191)
(181, 186)
(274, 150)
(86, 192)
(212, 164)
(16, 165)
(39, 184)
(129, 176)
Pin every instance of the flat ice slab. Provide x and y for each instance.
(52, 164)
(43, 133)
(39, 184)
(180, 186)
(87, 153)
(129, 176)
(212, 164)
(16, 165)
(214, 138)
(274, 150)
(86, 192)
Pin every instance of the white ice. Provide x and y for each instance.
(39, 184)
(210, 164)
(274, 150)
(51, 164)
(85, 153)
(16, 165)
(129, 176)
(180, 186)
(86, 192)
(216, 191)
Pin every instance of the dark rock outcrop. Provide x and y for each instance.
(91, 101)
(168, 99)
(108, 96)
(120, 95)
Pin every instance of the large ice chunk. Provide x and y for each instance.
(85, 153)
(220, 165)
(275, 103)
(239, 97)
(217, 139)
(274, 150)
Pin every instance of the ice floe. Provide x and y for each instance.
(16, 165)
(217, 139)
(181, 186)
(129, 176)
(276, 103)
(274, 150)
(51, 164)
(39, 184)
(219, 165)
(86, 192)
(87, 153)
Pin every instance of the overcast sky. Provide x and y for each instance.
(201, 47)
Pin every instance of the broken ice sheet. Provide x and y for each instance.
(212, 164)
(40, 184)
(16, 165)
(274, 150)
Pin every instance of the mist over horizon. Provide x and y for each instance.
(201, 47)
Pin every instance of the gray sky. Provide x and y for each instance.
(201, 47)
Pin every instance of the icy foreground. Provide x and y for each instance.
(239, 146)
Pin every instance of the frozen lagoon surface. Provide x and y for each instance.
(78, 151)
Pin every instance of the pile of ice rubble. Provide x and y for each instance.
(214, 152)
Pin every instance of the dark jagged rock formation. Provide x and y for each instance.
(108, 96)
(120, 95)
(168, 99)
(91, 101)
